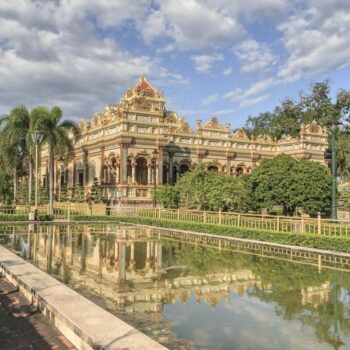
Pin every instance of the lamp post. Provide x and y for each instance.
(37, 137)
(154, 159)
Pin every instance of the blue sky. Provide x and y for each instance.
(228, 58)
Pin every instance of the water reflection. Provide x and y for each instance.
(219, 295)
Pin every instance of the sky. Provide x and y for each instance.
(229, 58)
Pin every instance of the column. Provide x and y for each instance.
(85, 167)
(170, 169)
(160, 165)
(228, 166)
(117, 173)
(132, 254)
(123, 163)
(133, 169)
(149, 173)
(102, 156)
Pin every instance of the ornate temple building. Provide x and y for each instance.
(136, 143)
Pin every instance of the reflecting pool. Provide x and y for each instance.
(189, 292)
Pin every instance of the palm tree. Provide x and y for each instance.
(59, 135)
(16, 143)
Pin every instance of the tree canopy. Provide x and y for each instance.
(287, 182)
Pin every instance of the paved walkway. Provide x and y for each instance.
(21, 327)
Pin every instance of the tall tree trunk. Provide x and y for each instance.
(15, 186)
(30, 180)
(51, 178)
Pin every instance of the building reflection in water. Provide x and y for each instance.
(140, 270)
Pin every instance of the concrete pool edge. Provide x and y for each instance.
(83, 323)
(246, 240)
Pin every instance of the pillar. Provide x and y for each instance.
(102, 156)
(117, 174)
(149, 173)
(133, 169)
(160, 165)
(85, 167)
(228, 166)
(170, 168)
(124, 163)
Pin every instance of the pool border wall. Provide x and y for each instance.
(85, 324)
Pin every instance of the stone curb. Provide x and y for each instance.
(83, 323)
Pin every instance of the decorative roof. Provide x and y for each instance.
(213, 123)
(264, 139)
(184, 128)
(240, 134)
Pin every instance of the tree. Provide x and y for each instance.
(96, 192)
(78, 196)
(16, 144)
(169, 196)
(56, 135)
(287, 182)
(5, 188)
(203, 190)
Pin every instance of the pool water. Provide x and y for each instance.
(188, 292)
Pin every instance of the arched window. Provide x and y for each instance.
(141, 171)
(239, 171)
(213, 169)
(184, 168)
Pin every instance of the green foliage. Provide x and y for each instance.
(78, 196)
(289, 183)
(56, 135)
(287, 118)
(204, 190)
(24, 217)
(5, 188)
(334, 243)
(169, 196)
(95, 194)
(44, 195)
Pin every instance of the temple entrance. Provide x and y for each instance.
(141, 171)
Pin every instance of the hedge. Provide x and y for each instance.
(24, 217)
(340, 244)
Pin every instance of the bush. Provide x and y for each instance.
(24, 217)
(340, 244)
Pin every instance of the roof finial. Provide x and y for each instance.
(143, 76)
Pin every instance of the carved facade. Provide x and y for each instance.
(119, 145)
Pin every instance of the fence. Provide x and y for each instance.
(326, 227)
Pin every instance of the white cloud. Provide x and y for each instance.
(197, 24)
(317, 40)
(240, 94)
(254, 56)
(210, 99)
(252, 101)
(52, 50)
(205, 63)
(227, 71)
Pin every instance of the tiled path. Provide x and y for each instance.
(21, 327)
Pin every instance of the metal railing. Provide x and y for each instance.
(314, 226)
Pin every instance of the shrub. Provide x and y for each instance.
(24, 217)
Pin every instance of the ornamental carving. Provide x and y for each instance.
(240, 134)
(213, 123)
